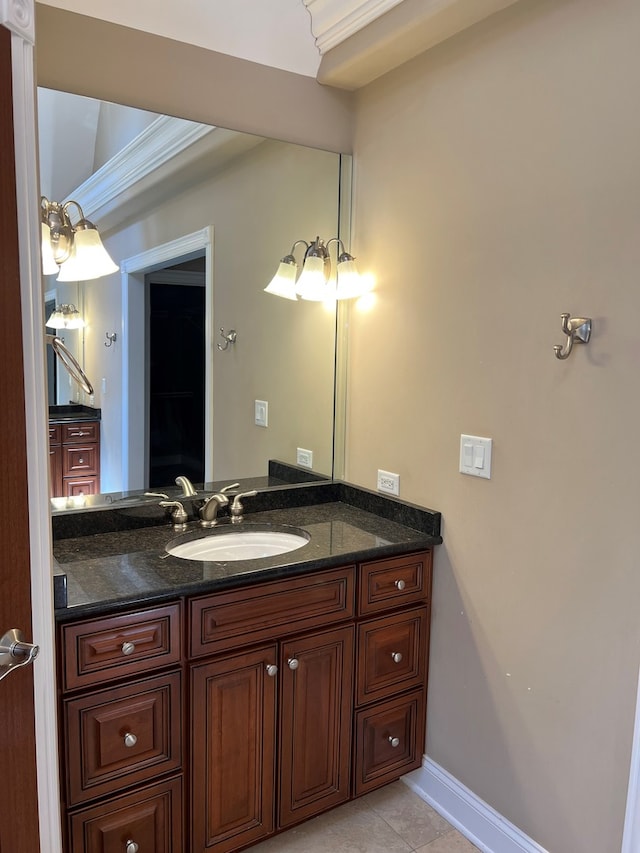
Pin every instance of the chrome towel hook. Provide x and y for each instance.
(228, 338)
(577, 330)
(111, 337)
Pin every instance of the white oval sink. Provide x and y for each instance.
(238, 545)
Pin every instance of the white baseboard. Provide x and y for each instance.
(474, 818)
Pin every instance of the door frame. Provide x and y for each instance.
(18, 16)
(133, 271)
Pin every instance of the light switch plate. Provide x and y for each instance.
(475, 456)
(261, 413)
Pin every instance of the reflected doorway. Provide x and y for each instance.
(176, 373)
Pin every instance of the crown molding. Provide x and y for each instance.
(333, 21)
(163, 139)
(19, 17)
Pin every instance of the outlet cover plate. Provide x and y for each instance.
(388, 482)
(304, 457)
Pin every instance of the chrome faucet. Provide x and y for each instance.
(188, 491)
(209, 510)
(237, 508)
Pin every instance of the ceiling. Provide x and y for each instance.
(344, 43)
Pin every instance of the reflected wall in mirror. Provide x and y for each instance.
(197, 218)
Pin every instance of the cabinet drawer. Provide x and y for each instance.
(392, 654)
(151, 818)
(270, 610)
(394, 582)
(54, 433)
(389, 741)
(122, 736)
(112, 647)
(74, 487)
(86, 431)
(79, 459)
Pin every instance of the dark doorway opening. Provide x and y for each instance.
(176, 378)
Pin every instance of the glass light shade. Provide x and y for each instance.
(49, 265)
(312, 284)
(65, 317)
(89, 258)
(349, 284)
(284, 281)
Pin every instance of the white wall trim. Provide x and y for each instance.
(19, 17)
(631, 837)
(43, 632)
(132, 272)
(475, 819)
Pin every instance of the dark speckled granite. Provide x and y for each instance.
(111, 570)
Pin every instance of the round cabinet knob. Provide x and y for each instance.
(272, 670)
(397, 656)
(132, 847)
(81, 461)
(294, 663)
(130, 740)
(128, 648)
(394, 741)
(400, 585)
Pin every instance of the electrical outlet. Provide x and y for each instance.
(388, 482)
(304, 457)
(261, 413)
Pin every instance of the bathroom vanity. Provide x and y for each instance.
(237, 699)
(74, 451)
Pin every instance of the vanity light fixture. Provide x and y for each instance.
(314, 283)
(73, 251)
(65, 317)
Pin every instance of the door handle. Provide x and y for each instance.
(14, 652)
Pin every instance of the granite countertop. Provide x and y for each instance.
(108, 571)
(73, 412)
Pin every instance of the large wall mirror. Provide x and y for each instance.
(197, 218)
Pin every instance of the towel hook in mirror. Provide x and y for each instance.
(228, 338)
(577, 330)
(111, 337)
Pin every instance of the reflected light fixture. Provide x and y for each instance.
(73, 251)
(314, 282)
(65, 317)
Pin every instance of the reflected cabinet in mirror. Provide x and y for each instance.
(197, 219)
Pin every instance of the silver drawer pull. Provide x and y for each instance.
(294, 663)
(128, 648)
(130, 740)
(397, 656)
(400, 585)
(132, 847)
(272, 670)
(81, 461)
(394, 741)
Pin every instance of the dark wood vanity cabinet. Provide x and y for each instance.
(291, 696)
(74, 454)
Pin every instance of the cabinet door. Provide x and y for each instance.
(315, 723)
(232, 750)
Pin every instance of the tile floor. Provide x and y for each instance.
(390, 820)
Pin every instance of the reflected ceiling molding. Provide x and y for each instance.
(142, 171)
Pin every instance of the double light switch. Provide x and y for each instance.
(475, 456)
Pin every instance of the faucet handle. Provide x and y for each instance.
(229, 487)
(236, 506)
(178, 516)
